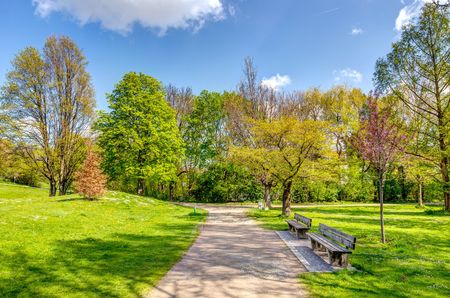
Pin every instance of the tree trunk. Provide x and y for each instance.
(172, 191)
(267, 198)
(63, 187)
(402, 183)
(380, 196)
(446, 183)
(52, 188)
(140, 186)
(287, 198)
(420, 197)
(444, 169)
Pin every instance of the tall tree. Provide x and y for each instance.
(50, 101)
(204, 134)
(238, 111)
(182, 101)
(417, 72)
(379, 141)
(262, 98)
(139, 136)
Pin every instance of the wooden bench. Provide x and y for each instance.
(335, 242)
(299, 225)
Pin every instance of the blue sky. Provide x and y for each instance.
(202, 43)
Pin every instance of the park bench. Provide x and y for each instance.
(299, 225)
(335, 242)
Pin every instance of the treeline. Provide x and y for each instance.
(253, 143)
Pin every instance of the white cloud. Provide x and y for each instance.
(409, 12)
(347, 74)
(357, 31)
(121, 15)
(276, 82)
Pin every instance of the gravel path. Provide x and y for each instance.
(233, 257)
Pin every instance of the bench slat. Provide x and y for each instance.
(327, 243)
(303, 219)
(297, 225)
(341, 237)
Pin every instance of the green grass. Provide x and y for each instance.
(118, 246)
(414, 263)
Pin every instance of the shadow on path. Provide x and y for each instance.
(233, 257)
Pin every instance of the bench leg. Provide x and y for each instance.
(316, 245)
(332, 258)
(294, 231)
(301, 234)
(337, 259)
(320, 247)
(343, 262)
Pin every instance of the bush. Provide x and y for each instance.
(225, 182)
(27, 178)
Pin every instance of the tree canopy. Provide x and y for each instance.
(49, 100)
(139, 136)
(417, 73)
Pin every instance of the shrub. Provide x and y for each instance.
(226, 182)
(90, 182)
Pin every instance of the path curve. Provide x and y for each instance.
(233, 257)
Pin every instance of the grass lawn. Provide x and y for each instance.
(118, 246)
(414, 263)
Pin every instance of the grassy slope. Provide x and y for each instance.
(414, 263)
(68, 247)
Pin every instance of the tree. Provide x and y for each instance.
(90, 181)
(262, 98)
(341, 108)
(259, 164)
(379, 142)
(182, 101)
(49, 100)
(204, 135)
(139, 136)
(14, 167)
(417, 73)
(284, 146)
(422, 173)
(237, 112)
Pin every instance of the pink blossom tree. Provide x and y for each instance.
(380, 142)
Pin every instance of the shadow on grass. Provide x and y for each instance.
(414, 262)
(121, 265)
(386, 278)
(78, 199)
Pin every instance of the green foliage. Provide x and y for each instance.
(225, 182)
(14, 167)
(48, 100)
(415, 74)
(204, 134)
(396, 187)
(413, 262)
(118, 246)
(139, 136)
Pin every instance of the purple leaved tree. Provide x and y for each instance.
(380, 142)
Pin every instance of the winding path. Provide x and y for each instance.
(233, 257)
